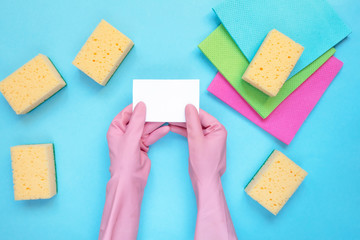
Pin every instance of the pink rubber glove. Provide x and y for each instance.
(207, 163)
(129, 138)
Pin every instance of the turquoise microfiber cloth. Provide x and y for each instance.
(312, 23)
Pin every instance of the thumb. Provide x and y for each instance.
(137, 121)
(193, 125)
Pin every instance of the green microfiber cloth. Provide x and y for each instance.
(222, 51)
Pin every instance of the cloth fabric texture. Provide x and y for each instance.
(313, 24)
(224, 54)
(286, 119)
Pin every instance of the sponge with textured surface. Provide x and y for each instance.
(273, 63)
(33, 171)
(275, 182)
(103, 52)
(31, 84)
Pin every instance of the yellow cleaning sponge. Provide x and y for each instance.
(275, 182)
(33, 171)
(273, 63)
(103, 52)
(31, 84)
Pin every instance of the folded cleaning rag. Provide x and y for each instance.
(222, 51)
(313, 24)
(286, 120)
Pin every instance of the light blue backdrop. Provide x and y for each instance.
(166, 35)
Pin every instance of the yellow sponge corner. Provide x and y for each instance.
(31, 84)
(33, 171)
(103, 52)
(273, 63)
(275, 182)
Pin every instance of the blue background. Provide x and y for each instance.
(166, 35)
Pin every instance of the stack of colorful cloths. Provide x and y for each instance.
(312, 24)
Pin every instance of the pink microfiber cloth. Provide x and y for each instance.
(285, 120)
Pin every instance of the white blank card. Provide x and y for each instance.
(166, 99)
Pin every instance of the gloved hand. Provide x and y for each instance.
(207, 163)
(129, 138)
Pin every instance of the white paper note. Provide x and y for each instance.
(166, 99)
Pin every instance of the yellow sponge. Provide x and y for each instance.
(273, 63)
(33, 171)
(103, 52)
(31, 84)
(275, 182)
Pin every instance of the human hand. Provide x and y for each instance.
(207, 163)
(207, 145)
(129, 138)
